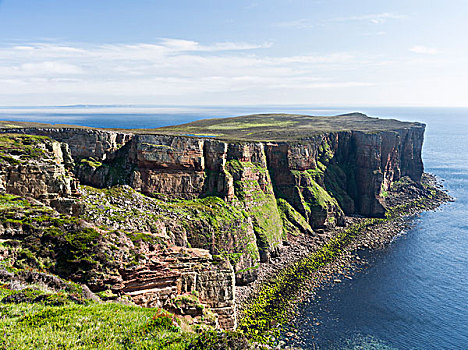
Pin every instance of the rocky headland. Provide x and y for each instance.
(209, 220)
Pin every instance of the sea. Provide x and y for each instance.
(411, 295)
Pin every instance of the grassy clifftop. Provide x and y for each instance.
(280, 127)
(258, 127)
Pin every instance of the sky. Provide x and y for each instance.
(242, 52)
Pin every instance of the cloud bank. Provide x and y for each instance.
(424, 50)
(186, 72)
(376, 18)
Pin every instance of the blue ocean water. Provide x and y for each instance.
(413, 294)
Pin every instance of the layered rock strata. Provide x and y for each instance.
(37, 167)
(177, 271)
(355, 167)
(83, 142)
(322, 177)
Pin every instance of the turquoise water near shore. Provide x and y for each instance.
(414, 293)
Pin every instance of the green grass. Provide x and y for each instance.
(92, 162)
(272, 304)
(280, 127)
(8, 201)
(264, 123)
(15, 148)
(56, 243)
(91, 325)
(94, 326)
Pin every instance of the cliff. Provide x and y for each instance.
(37, 167)
(214, 198)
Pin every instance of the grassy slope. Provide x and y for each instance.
(63, 322)
(93, 326)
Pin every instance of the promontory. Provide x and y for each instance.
(175, 219)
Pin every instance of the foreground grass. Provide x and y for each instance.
(93, 326)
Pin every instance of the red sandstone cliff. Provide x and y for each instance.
(318, 179)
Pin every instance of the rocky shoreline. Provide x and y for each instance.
(373, 237)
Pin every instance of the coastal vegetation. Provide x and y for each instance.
(278, 127)
(65, 324)
(15, 149)
(274, 302)
(43, 319)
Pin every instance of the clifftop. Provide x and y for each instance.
(259, 127)
(281, 127)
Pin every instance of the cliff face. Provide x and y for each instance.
(178, 271)
(380, 159)
(103, 244)
(144, 267)
(320, 177)
(37, 167)
(354, 166)
(83, 143)
(204, 211)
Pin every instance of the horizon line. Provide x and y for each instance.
(84, 106)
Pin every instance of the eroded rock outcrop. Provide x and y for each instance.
(37, 167)
(83, 142)
(177, 271)
(209, 223)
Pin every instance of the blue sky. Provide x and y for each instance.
(243, 52)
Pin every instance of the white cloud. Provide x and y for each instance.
(50, 67)
(301, 23)
(46, 68)
(178, 45)
(169, 67)
(377, 18)
(425, 50)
